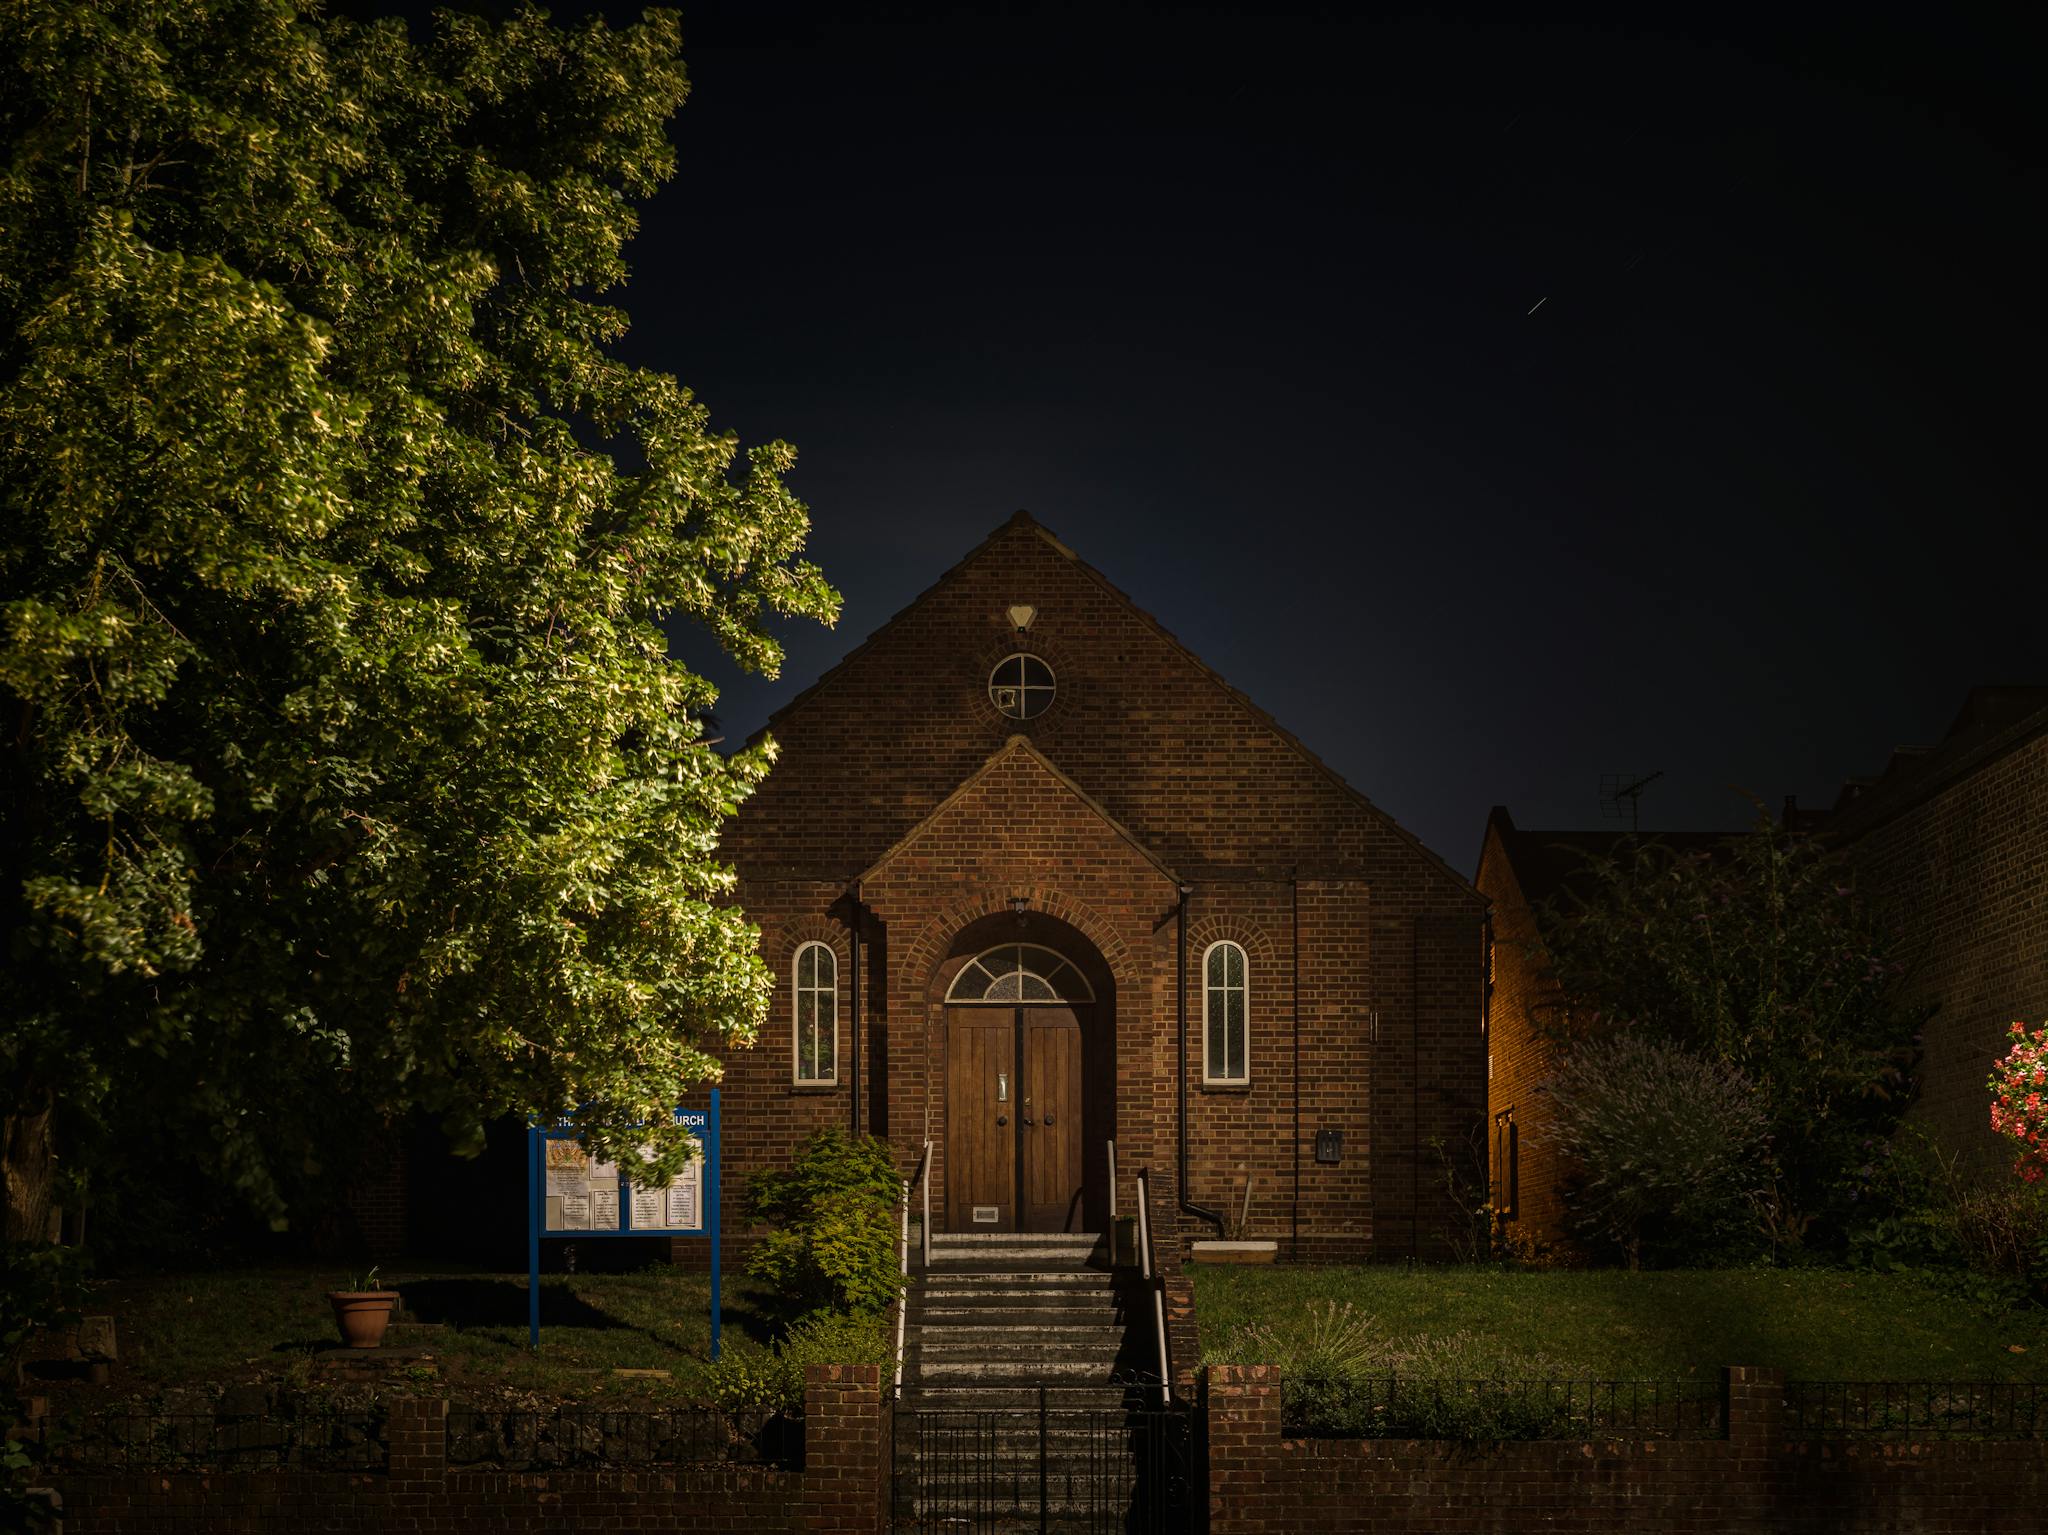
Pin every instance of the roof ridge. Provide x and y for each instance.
(1023, 519)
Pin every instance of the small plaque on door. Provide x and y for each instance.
(987, 1215)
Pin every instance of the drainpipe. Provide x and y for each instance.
(1294, 1000)
(854, 1078)
(1187, 1205)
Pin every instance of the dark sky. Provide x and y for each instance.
(1239, 303)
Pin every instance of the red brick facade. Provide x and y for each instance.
(1519, 871)
(1952, 844)
(1526, 1176)
(900, 785)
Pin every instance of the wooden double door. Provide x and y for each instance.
(1013, 1119)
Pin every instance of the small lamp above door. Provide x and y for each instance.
(1021, 615)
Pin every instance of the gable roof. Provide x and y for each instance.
(1012, 747)
(1992, 722)
(1547, 863)
(1021, 519)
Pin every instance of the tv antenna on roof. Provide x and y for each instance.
(1616, 787)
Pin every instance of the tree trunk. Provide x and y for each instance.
(28, 1165)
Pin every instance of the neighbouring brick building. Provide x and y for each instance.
(1951, 843)
(1519, 871)
(1032, 878)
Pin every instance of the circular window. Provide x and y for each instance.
(1021, 687)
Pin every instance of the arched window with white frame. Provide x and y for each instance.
(814, 985)
(1226, 1015)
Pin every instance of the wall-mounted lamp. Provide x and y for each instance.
(1019, 904)
(1021, 615)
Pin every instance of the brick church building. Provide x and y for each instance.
(1033, 879)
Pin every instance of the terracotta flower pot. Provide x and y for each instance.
(362, 1315)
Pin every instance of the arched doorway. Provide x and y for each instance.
(1029, 1056)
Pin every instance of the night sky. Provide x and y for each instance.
(1239, 305)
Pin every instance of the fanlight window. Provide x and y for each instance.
(1019, 972)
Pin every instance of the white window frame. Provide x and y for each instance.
(797, 992)
(1208, 1078)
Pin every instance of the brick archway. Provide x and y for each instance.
(952, 942)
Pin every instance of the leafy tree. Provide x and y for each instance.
(1760, 956)
(346, 771)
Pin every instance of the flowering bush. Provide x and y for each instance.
(2018, 1085)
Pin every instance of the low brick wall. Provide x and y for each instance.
(842, 1489)
(1755, 1480)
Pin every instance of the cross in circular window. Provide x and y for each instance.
(1021, 687)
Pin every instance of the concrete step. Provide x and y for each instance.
(1017, 1260)
(968, 1370)
(1014, 1238)
(959, 1400)
(1017, 1343)
(1004, 1323)
(1100, 1279)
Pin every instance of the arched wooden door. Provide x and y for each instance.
(1013, 1119)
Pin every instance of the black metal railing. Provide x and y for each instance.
(1892, 1409)
(1155, 1287)
(1082, 1470)
(569, 1438)
(207, 1441)
(1398, 1407)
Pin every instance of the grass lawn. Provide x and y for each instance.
(1815, 1324)
(257, 1325)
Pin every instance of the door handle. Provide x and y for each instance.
(1002, 1119)
(1048, 1119)
(1028, 1119)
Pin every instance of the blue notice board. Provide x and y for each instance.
(570, 1196)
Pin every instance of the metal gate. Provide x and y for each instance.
(1048, 1467)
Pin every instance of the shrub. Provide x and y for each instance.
(1341, 1376)
(1758, 954)
(754, 1385)
(41, 1288)
(1672, 1147)
(835, 1214)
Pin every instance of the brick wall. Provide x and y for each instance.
(1959, 860)
(1147, 773)
(842, 1490)
(377, 1196)
(1517, 1059)
(1754, 1482)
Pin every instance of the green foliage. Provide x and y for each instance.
(348, 770)
(1653, 1324)
(837, 1225)
(1669, 1146)
(1986, 1243)
(1343, 1374)
(42, 1287)
(1762, 958)
(753, 1384)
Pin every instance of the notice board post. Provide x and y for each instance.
(570, 1196)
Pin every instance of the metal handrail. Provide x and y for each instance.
(924, 1167)
(1112, 1198)
(1149, 1270)
(924, 1229)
